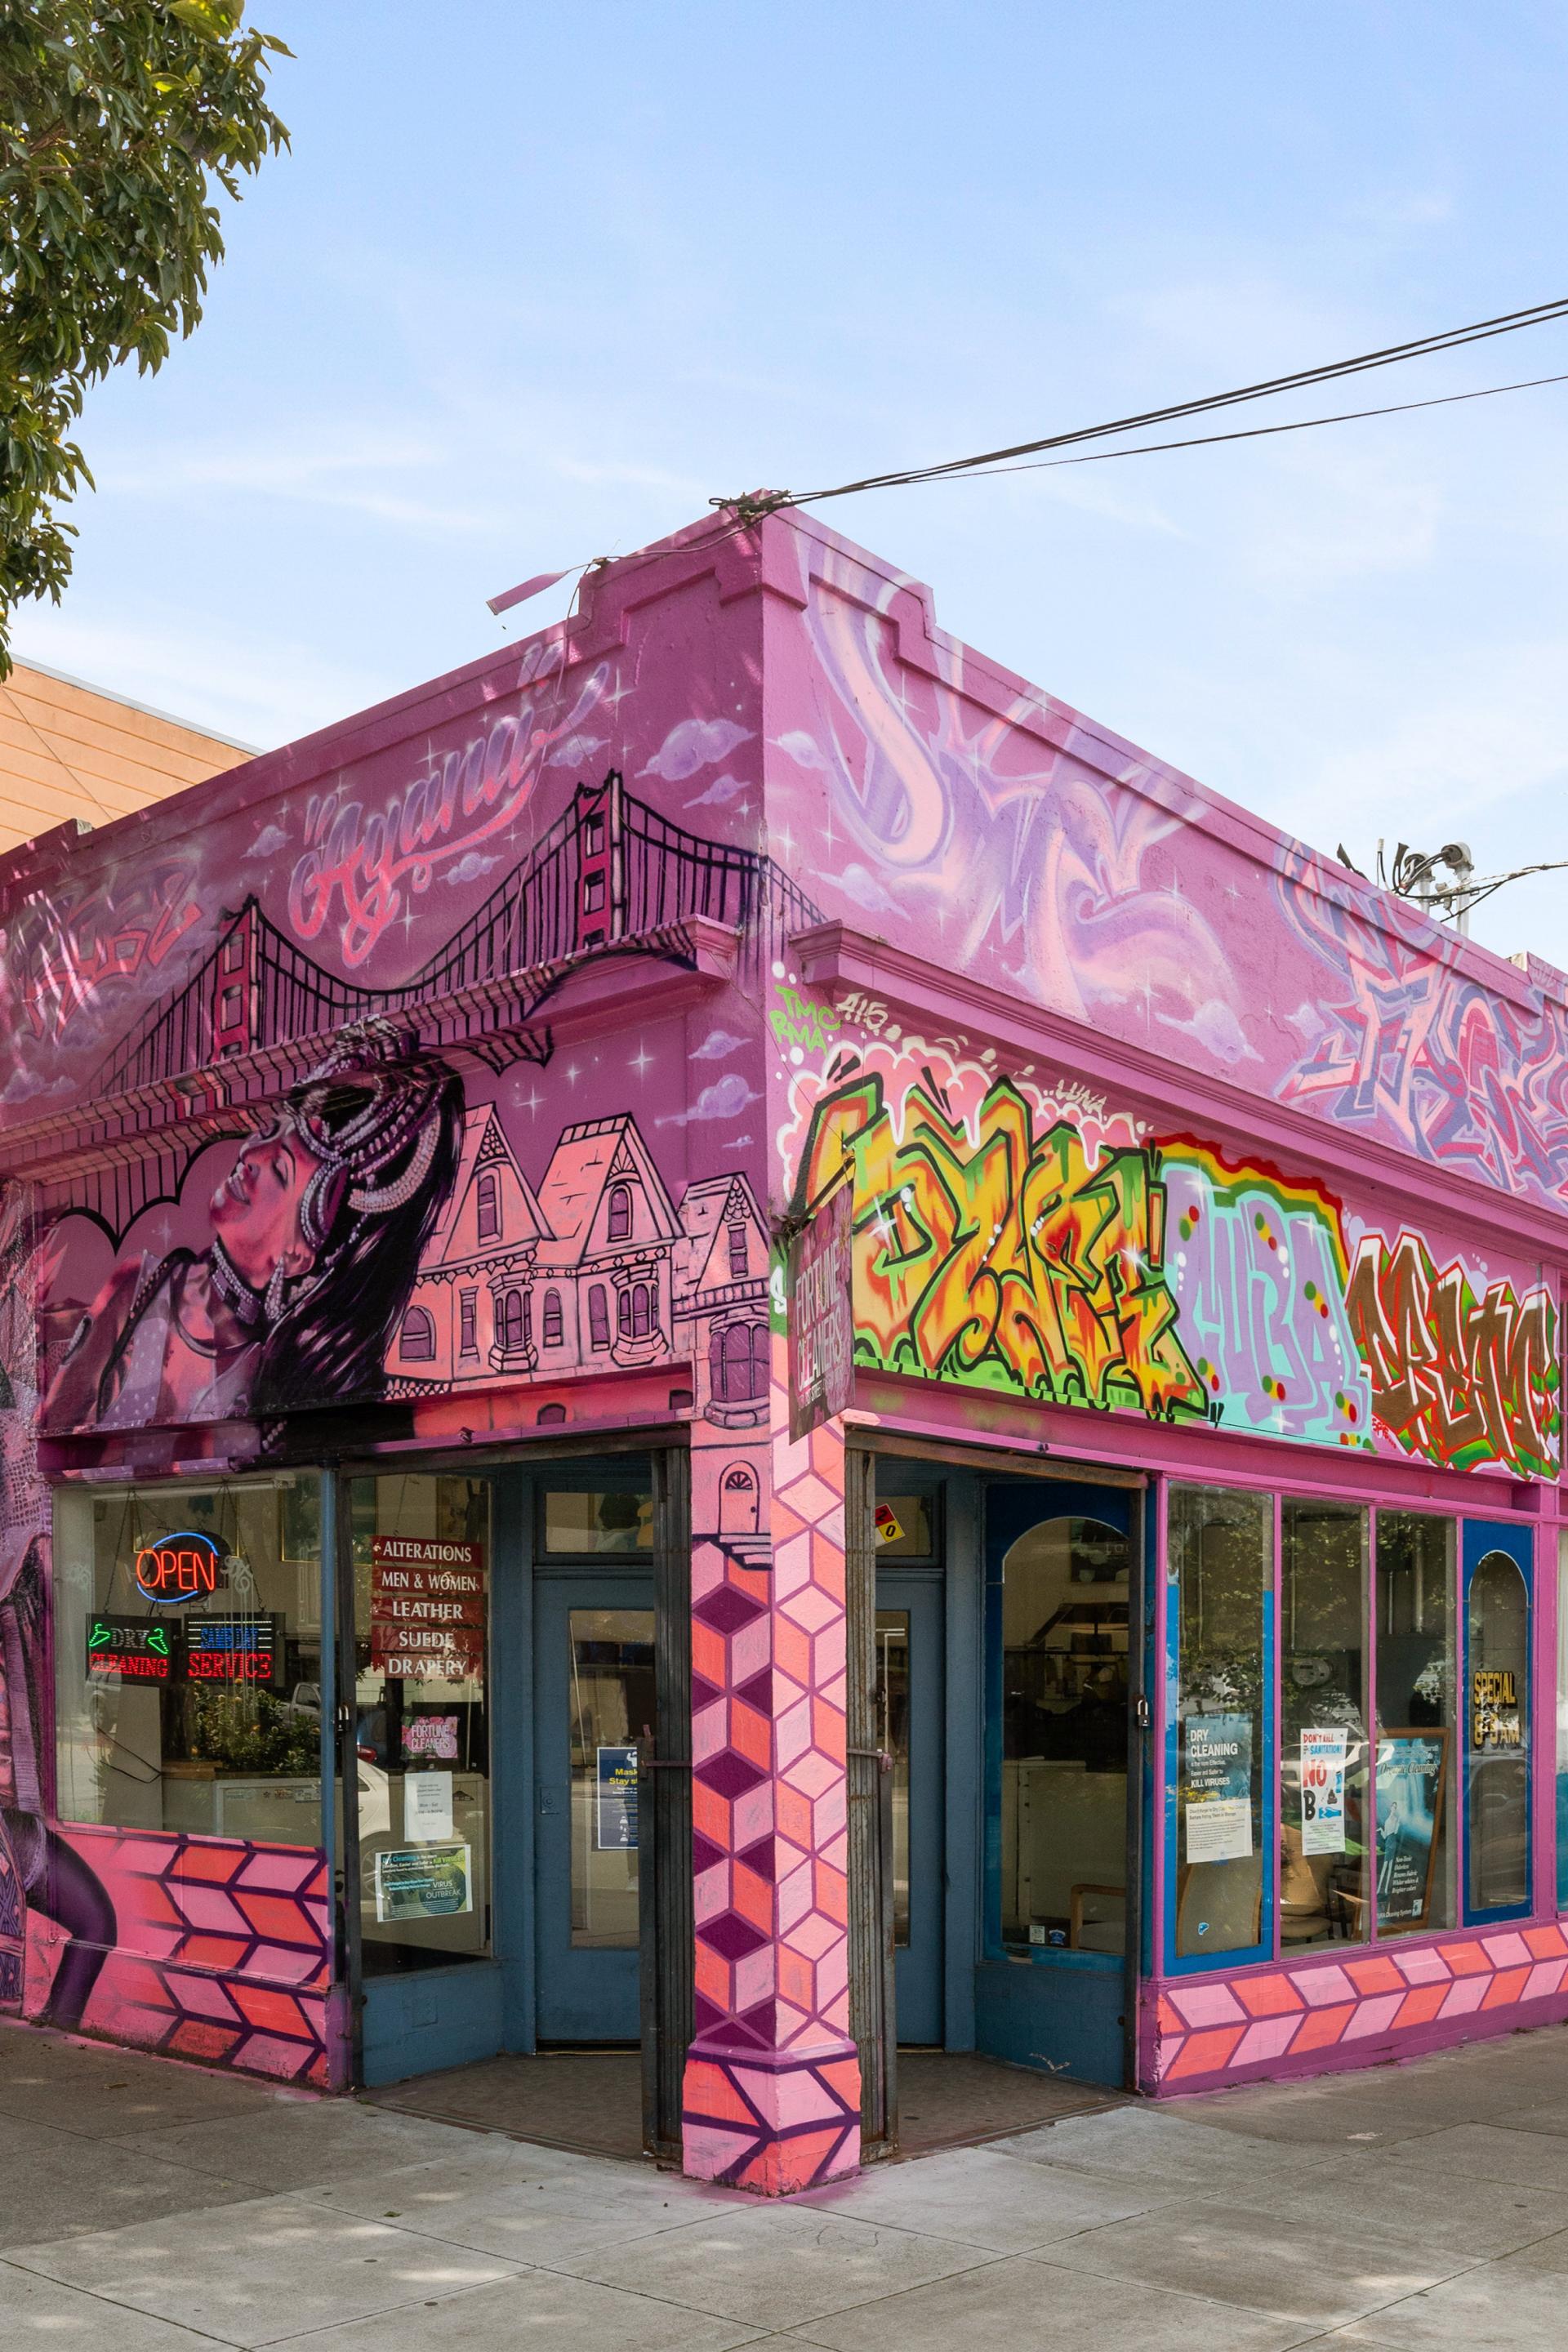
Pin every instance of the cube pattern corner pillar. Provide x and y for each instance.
(771, 2093)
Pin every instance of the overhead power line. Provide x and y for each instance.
(1390, 355)
(1260, 432)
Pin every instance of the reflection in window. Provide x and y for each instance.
(468, 1323)
(421, 1561)
(513, 1322)
(612, 1698)
(187, 1659)
(1416, 1688)
(597, 1522)
(893, 1739)
(1220, 1546)
(551, 1320)
(1323, 1756)
(620, 1218)
(416, 1342)
(598, 1316)
(1497, 1746)
(1064, 1735)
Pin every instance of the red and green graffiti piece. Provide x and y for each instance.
(1456, 1379)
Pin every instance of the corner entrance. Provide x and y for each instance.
(994, 1820)
(521, 1708)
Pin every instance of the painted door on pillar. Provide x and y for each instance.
(910, 1728)
(1058, 1561)
(594, 1697)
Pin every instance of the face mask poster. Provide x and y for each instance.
(1218, 1777)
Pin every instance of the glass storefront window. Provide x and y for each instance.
(1562, 1721)
(1497, 1807)
(1416, 1691)
(893, 1739)
(903, 1525)
(422, 1570)
(187, 1644)
(612, 1702)
(1220, 1559)
(1064, 1735)
(579, 1524)
(1323, 1749)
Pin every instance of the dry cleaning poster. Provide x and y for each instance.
(1219, 1787)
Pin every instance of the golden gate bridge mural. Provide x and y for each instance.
(610, 877)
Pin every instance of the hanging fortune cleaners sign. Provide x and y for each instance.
(822, 1315)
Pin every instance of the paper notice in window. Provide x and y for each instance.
(1218, 1768)
(1219, 1829)
(428, 1808)
(1324, 1758)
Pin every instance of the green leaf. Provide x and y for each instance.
(120, 121)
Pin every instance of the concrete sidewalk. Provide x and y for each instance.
(148, 2207)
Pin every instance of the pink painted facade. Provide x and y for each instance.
(1175, 1151)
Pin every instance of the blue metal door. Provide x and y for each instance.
(910, 1727)
(593, 1694)
(1060, 1584)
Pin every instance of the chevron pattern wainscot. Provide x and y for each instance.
(1322, 2015)
(223, 1952)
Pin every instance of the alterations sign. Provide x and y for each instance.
(822, 1315)
(427, 1608)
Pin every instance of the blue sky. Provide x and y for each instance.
(535, 282)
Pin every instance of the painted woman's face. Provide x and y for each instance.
(255, 1209)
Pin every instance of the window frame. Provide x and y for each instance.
(1478, 1539)
(1476, 1535)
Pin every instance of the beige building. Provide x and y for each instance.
(71, 750)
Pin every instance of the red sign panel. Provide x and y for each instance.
(426, 1610)
(821, 1316)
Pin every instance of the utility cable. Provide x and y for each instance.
(1393, 355)
(1260, 432)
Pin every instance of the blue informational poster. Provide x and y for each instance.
(1412, 1774)
(1218, 1787)
(616, 1807)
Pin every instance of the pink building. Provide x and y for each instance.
(864, 1371)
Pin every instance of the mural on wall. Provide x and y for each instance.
(313, 1240)
(42, 1877)
(1021, 1237)
(596, 1271)
(1457, 1378)
(949, 807)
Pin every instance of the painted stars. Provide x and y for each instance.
(642, 1061)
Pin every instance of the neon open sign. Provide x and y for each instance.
(178, 1567)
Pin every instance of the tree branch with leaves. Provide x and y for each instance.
(120, 123)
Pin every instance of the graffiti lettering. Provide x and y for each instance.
(1014, 1260)
(1459, 1379)
(102, 941)
(463, 799)
(796, 1021)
